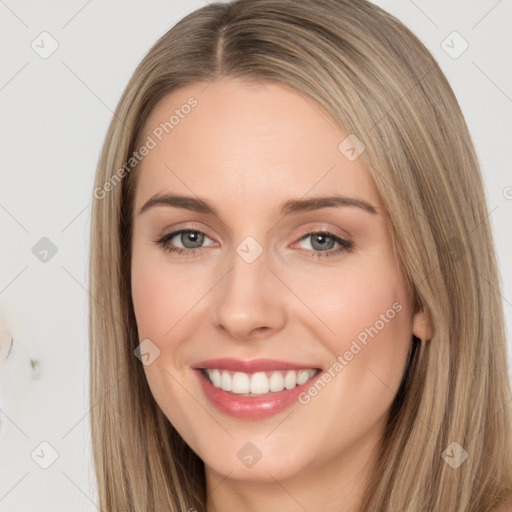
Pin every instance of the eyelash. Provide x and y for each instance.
(345, 245)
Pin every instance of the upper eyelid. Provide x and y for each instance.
(174, 232)
(188, 227)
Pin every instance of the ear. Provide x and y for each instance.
(421, 327)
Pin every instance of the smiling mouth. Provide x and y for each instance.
(258, 383)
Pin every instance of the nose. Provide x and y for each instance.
(249, 302)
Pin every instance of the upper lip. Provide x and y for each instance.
(250, 365)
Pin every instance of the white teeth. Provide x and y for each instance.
(216, 378)
(290, 381)
(276, 381)
(226, 382)
(241, 383)
(303, 376)
(258, 383)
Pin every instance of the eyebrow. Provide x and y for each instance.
(288, 207)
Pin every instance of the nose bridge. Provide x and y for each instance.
(246, 298)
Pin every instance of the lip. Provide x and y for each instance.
(246, 407)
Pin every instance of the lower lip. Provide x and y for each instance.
(251, 408)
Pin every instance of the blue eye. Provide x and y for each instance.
(324, 241)
(186, 237)
(192, 241)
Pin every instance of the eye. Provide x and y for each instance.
(322, 243)
(191, 241)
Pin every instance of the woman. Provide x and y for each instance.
(294, 295)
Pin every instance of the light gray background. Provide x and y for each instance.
(55, 114)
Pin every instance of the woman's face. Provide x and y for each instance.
(297, 310)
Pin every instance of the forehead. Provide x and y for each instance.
(247, 145)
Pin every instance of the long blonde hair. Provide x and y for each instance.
(381, 84)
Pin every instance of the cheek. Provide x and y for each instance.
(151, 302)
(347, 301)
(363, 316)
(160, 300)
(158, 293)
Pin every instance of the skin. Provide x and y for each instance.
(247, 148)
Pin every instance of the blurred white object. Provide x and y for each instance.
(17, 371)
